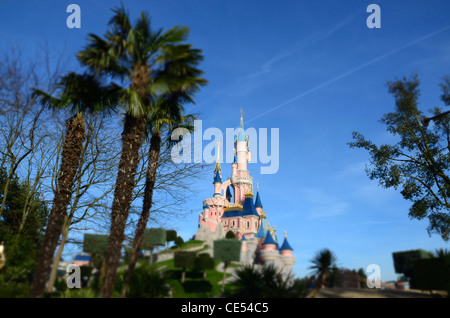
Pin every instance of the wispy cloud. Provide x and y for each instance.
(349, 72)
(304, 43)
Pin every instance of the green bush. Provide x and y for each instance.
(230, 235)
(10, 289)
(147, 282)
(266, 282)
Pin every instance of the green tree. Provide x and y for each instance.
(324, 262)
(230, 235)
(79, 94)
(184, 260)
(171, 235)
(149, 62)
(204, 262)
(419, 162)
(21, 247)
(178, 241)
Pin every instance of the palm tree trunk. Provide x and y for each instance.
(316, 289)
(155, 148)
(134, 130)
(65, 234)
(70, 158)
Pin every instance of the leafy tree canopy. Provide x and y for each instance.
(419, 162)
(21, 243)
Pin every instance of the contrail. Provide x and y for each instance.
(353, 70)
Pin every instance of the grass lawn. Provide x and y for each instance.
(185, 245)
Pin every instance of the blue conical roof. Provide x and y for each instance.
(228, 192)
(286, 246)
(217, 178)
(243, 238)
(206, 206)
(249, 207)
(258, 203)
(269, 239)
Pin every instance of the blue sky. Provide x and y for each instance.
(315, 71)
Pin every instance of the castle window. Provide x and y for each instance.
(233, 223)
(248, 224)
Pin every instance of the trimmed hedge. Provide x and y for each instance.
(95, 243)
(203, 262)
(404, 262)
(184, 259)
(432, 274)
(153, 237)
(227, 250)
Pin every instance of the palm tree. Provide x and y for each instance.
(167, 115)
(267, 282)
(149, 63)
(323, 263)
(80, 94)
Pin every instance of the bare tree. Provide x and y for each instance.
(22, 120)
(94, 182)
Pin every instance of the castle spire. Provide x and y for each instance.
(258, 203)
(218, 168)
(241, 136)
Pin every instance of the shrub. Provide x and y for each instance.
(179, 240)
(147, 282)
(230, 235)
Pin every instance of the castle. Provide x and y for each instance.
(240, 214)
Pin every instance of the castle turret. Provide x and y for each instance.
(244, 243)
(241, 180)
(269, 243)
(286, 256)
(251, 216)
(206, 209)
(269, 254)
(286, 249)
